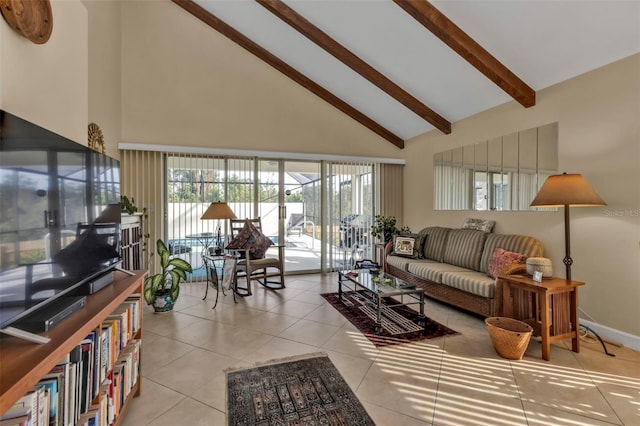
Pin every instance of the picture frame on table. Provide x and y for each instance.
(537, 276)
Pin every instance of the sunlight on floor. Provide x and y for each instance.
(480, 391)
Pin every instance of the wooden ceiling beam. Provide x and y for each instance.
(443, 28)
(240, 39)
(331, 46)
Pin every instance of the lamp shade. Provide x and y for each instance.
(567, 190)
(218, 210)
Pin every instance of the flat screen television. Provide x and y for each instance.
(59, 217)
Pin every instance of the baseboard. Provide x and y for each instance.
(608, 333)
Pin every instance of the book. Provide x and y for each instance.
(60, 373)
(26, 406)
(75, 374)
(71, 395)
(97, 353)
(52, 389)
(22, 420)
(85, 378)
(122, 325)
(43, 405)
(104, 354)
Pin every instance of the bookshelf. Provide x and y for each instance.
(23, 363)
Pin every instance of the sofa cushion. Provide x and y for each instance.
(484, 225)
(434, 243)
(502, 258)
(403, 262)
(464, 248)
(398, 261)
(528, 246)
(432, 271)
(252, 239)
(408, 245)
(471, 282)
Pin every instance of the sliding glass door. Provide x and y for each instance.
(350, 200)
(290, 208)
(321, 211)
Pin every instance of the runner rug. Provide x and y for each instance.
(301, 391)
(399, 324)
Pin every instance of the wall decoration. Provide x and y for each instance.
(503, 173)
(96, 140)
(32, 19)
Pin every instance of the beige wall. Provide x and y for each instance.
(599, 137)
(185, 84)
(104, 70)
(47, 84)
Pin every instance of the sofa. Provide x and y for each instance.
(451, 265)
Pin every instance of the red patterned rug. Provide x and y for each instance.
(403, 328)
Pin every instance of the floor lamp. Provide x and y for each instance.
(567, 190)
(218, 210)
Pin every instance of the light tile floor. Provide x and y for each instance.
(456, 380)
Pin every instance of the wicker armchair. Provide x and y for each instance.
(260, 269)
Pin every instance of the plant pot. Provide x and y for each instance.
(163, 302)
(388, 236)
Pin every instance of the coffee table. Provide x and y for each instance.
(378, 285)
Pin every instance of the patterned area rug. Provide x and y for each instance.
(398, 323)
(304, 391)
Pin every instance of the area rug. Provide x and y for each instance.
(398, 323)
(302, 391)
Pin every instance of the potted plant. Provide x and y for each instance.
(128, 205)
(384, 227)
(162, 289)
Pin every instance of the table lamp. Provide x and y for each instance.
(567, 190)
(218, 210)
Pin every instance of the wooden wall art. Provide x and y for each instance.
(31, 18)
(96, 140)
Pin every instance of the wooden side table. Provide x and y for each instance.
(550, 307)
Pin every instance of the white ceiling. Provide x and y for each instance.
(542, 42)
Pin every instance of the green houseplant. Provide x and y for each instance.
(162, 289)
(128, 205)
(384, 227)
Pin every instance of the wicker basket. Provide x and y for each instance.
(510, 337)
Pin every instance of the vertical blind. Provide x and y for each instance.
(176, 188)
(143, 181)
(389, 181)
(350, 203)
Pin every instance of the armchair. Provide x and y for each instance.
(247, 237)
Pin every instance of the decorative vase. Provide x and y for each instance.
(164, 302)
(388, 236)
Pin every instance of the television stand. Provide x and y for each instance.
(26, 335)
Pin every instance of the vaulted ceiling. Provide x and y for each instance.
(405, 67)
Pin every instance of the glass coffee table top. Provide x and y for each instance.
(379, 282)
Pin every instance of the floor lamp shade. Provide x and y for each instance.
(218, 210)
(567, 190)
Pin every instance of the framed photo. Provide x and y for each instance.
(537, 276)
